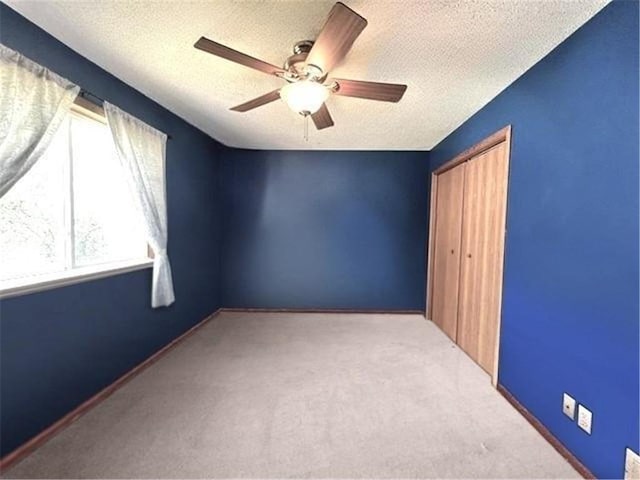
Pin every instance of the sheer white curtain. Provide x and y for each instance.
(33, 103)
(141, 150)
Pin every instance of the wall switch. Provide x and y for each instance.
(569, 406)
(585, 418)
(631, 465)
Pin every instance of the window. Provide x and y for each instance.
(71, 216)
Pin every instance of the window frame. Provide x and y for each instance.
(47, 281)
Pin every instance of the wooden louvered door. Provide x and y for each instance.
(466, 248)
(446, 268)
(483, 232)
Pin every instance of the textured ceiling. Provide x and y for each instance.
(454, 55)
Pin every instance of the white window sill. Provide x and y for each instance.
(23, 286)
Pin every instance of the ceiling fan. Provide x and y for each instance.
(307, 69)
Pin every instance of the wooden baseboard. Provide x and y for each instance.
(548, 436)
(322, 310)
(27, 447)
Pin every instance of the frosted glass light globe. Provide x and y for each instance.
(304, 97)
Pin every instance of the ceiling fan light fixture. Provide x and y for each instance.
(308, 68)
(305, 96)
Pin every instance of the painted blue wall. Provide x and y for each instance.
(60, 347)
(325, 229)
(570, 306)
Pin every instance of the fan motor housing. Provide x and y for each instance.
(303, 46)
(296, 64)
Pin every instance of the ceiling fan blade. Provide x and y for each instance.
(336, 37)
(233, 55)
(384, 92)
(322, 118)
(257, 102)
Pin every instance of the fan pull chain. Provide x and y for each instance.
(306, 128)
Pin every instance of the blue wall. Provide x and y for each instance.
(60, 347)
(319, 229)
(570, 306)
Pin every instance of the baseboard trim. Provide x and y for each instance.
(49, 432)
(322, 310)
(548, 436)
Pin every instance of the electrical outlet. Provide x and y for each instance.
(631, 465)
(585, 417)
(569, 406)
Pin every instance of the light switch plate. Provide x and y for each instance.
(569, 406)
(585, 417)
(631, 465)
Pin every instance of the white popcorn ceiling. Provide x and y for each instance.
(454, 55)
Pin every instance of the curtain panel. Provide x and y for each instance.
(33, 103)
(142, 151)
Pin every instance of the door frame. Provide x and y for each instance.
(502, 135)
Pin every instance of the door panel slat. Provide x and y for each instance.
(483, 232)
(446, 268)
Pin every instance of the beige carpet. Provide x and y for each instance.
(313, 395)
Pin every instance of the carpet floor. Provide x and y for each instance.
(266, 395)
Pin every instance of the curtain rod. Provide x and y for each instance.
(96, 100)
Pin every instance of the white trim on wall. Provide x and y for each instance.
(26, 285)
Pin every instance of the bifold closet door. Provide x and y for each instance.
(483, 232)
(446, 254)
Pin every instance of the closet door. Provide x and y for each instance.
(483, 232)
(446, 254)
